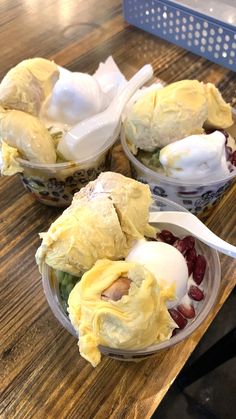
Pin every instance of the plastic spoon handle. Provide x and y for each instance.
(118, 103)
(195, 227)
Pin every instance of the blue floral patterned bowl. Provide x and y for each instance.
(197, 196)
(55, 184)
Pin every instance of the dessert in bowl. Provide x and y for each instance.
(40, 102)
(180, 139)
(55, 184)
(122, 286)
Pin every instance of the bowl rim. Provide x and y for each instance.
(166, 179)
(65, 322)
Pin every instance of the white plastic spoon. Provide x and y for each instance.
(85, 138)
(195, 227)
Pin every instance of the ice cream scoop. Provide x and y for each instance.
(90, 135)
(167, 265)
(76, 96)
(196, 157)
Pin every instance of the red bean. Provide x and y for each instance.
(191, 254)
(181, 245)
(195, 293)
(186, 310)
(178, 318)
(190, 265)
(191, 257)
(199, 269)
(167, 237)
(189, 242)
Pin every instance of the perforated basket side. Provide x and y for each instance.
(187, 28)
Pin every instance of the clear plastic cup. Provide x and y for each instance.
(210, 287)
(198, 196)
(55, 184)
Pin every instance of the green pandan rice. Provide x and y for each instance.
(150, 159)
(66, 283)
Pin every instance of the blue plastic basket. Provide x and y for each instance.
(193, 30)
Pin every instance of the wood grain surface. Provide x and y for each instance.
(42, 374)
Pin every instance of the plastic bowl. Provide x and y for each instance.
(198, 196)
(55, 184)
(210, 286)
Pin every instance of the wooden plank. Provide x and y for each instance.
(41, 372)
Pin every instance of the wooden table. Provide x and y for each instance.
(42, 374)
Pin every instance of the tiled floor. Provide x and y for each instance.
(214, 395)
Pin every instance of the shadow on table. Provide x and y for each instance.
(212, 395)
